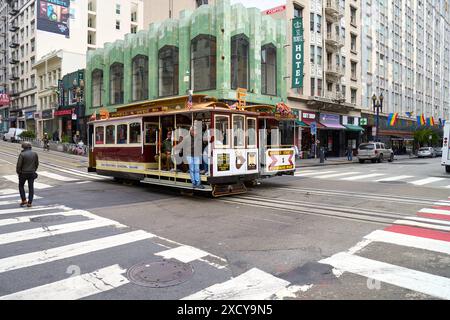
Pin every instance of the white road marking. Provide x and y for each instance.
(9, 202)
(365, 176)
(421, 225)
(72, 250)
(13, 195)
(426, 181)
(396, 178)
(77, 287)
(311, 173)
(440, 203)
(55, 176)
(47, 231)
(25, 219)
(81, 174)
(38, 208)
(336, 175)
(8, 191)
(37, 185)
(409, 241)
(435, 211)
(426, 283)
(251, 285)
(435, 221)
(184, 254)
(7, 162)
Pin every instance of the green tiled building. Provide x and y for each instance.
(213, 50)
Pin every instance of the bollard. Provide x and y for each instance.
(322, 155)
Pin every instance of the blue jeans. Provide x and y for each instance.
(194, 170)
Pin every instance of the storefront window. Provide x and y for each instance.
(99, 135)
(269, 70)
(135, 132)
(122, 134)
(97, 87)
(203, 63)
(251, 132)
(239, 62)
(116, 83)
(221, 132)
(140, 78)
(168, 71)
(238, 131)
(111, 134)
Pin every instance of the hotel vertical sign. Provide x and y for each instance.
(297, 52)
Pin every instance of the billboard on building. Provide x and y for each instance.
(4, 99)
(53, 16)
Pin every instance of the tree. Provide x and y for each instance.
(422, 137)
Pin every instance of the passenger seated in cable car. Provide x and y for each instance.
(166, 153)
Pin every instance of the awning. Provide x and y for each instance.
(332, 126)
(353, 127)
(309, 121)
(301, 124)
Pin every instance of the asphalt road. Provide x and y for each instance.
(357, 231)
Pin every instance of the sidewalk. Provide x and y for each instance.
(302, 163)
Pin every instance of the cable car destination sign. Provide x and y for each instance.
(297, 52)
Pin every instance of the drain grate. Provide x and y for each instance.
(45, 219)
(166, 273)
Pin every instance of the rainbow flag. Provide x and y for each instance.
(422, 120)
(432, 123)
(392, 119)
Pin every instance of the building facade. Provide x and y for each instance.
(4, 74)
(214, 50)
(35, 29)
(158, 11)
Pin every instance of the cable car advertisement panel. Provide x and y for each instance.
(280, 160)
(228, 162)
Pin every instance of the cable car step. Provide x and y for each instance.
(176, 184)
(228, 189)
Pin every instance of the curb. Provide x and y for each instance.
(342, 163)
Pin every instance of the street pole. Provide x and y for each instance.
(378, 123)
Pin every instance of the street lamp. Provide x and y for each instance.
(377, 105)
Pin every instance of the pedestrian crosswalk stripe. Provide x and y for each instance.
(37, 185)
(435, 211)
(76, 287)
(311, 173)
(423, 219)
(396, 178)
(47, 231)
(72, 250)
(184, 254)
(409, 241)
(426, 181)
(81, 174)
(421, 225)
(56, 176)
(418, 281)
(38, 208)
(365, 176)
(254, 284)
(336, 175)
(9, 202)
(25, 219)
(12, 195)
(7, 192)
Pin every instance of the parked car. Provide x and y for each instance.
(427, 152)
(375, 152)
(13, 135)
(438, 151)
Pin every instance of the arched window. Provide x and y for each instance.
(168, 71)
(140, 78)
(97, 87)
(269, 70)
(239, 62)
(203, 63)
(116, 83)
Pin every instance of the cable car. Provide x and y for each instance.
(140, 142)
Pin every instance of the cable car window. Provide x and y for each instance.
(99, 135)
(151, 130)
(238, 131)
(111, 134)
(135, 132)
(122, 134)
(221, 132)
(251, 132)
(287, 133)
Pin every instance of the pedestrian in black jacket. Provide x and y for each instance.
(26, 168)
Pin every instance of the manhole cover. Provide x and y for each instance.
(161, 274)
(44, 219)
(393, 182)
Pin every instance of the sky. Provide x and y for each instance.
(261, 4)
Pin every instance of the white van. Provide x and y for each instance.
(13, 135)
(445, 152)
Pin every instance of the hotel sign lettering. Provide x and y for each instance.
(297, 52)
